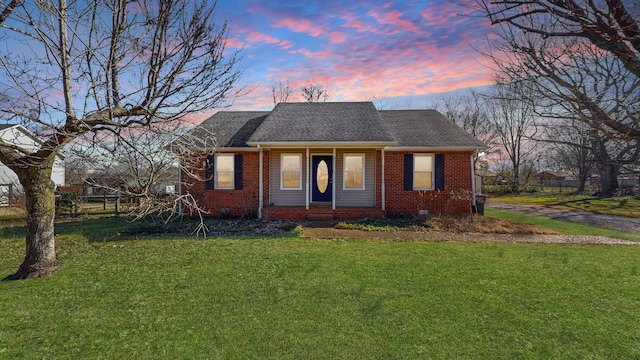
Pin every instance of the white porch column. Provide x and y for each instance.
(333, 182)
(382, 194)
(260, 185)
(306, 186)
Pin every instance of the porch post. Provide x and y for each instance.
(306, 186)
(382, 181)
(260, 185)
(333, 182)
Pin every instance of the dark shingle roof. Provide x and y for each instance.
(426, 128)
(336, 122)
(322, 122)
(228, 128)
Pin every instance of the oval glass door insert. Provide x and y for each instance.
(322, 176)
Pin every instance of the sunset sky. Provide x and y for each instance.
(399, 51)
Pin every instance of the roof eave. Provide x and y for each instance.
(435, 148)
(321, 144)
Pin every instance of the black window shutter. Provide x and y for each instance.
(209, 171)
(408, 171)
(439, 172)
(237, 171)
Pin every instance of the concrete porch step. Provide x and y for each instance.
(320, 217)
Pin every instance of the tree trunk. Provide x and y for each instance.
(608, 179)
(40, 258)
(607, 169)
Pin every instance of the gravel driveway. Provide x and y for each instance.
(624, 224)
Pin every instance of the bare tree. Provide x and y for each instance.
(8, 8)
(555, 41)
(570, 150)
(381, 103)
(281, 92)
(315, 93)
(93, 67)
(139, 166)
(571, 79)
(513, 121)
(470, 112)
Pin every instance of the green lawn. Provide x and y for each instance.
(291, 298)
(621, 206)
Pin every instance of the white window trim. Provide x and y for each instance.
(344, 173)
(233, 172)
(433, 172)
(282, 171)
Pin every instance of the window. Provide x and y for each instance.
(422, 172)
(353, 172)
(224, 171)
(291, 172)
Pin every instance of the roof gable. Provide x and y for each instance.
(335, 122)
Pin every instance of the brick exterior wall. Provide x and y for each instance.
(240, 203)
(455, 199)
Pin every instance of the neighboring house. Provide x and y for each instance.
(23, 138)
(338, 160)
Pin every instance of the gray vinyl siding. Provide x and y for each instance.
(366, 197)
(280, 197)
(344, 198)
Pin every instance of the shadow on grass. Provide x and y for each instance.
(95, 229)
(122, 228)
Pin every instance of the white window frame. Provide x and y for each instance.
(233, 172)
(432, 170)
(344, 171)
(282, 156)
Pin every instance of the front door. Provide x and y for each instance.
(321, 178)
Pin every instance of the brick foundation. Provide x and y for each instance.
(300, 213)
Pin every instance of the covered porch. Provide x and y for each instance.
(321, 182)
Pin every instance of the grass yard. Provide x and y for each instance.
(292, 298)
(621, 206)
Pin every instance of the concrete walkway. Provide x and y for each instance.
(624, 224)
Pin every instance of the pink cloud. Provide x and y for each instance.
(337, 37)
(257, 37)
(300, 25)
(393, 17)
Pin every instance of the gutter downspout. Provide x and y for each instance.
(382, 192)
(473, 178)
(260, 185)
